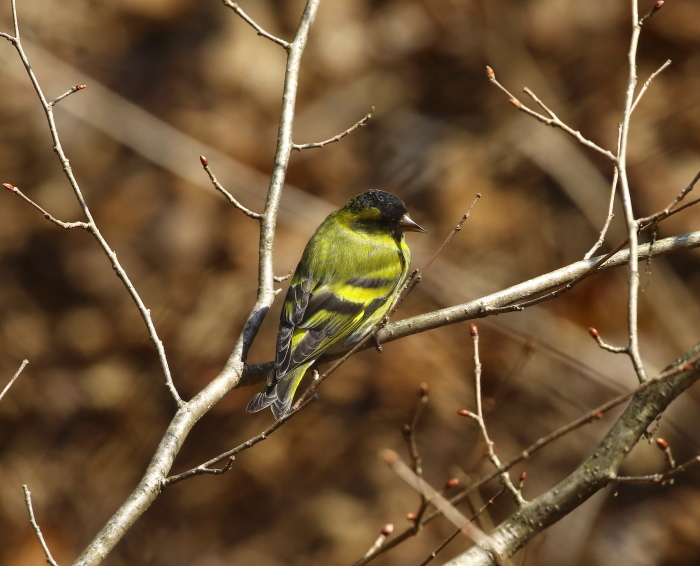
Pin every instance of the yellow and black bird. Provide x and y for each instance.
(351, 270)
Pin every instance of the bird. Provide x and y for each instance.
(351, 270)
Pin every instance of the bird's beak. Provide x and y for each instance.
(406, 224)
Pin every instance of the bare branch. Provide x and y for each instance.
(600, 469)
(187, 415)
(66, 225)
(249, 213)
(13, 379)
(666, 212)
(205, 468)
(479, 418)
(645, 86)
(552, 120)
(340, 136)
(90, 225)
(604, 346)
(246, 18)
(655, 8)
(32, 520)
(611, 204)
(469, 529)
(66, 94)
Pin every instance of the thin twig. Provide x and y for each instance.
(659, 478)
(206, 468)
(666, 212)
(552, 120)
(409, 431)
(604, 345)
(219, 187)
(645, 86)
(246, 18)
(338, 137)
(611, 204)
(449, 539)
(91, 225)
(655, 8)
(479, 418)
(445, 507)
(625, 194)
(14, 378)
(32, 520)
(72, 90)
(66, 225)
(385, 532)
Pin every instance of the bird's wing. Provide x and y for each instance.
(318, 313)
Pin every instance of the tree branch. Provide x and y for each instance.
(597, 471)
(152, 482)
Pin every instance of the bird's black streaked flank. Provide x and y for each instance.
(350, 272)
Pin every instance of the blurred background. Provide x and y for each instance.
(169, 80)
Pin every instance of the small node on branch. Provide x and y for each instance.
(406, 429)
(597, 415)
(521, 480)
(515, 102)
(473, 330)
(452, 482)
(423, 391)
(387, 529)
(411, 517)
(687, 367)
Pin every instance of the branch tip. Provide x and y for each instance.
(464, 413)
(423, 391)
(10, 187)
(387, 529)
(203, 160)
(490, 74)
(594, 333)
(661, 443)
(473, 329)
(390, 457)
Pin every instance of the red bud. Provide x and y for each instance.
(473, 330)
(452, 482)
(464, 413)
(204, 160)
(661, 443)
(594, 333)
(387, 529)
(597, 415)
(411, 516)
(9, 187)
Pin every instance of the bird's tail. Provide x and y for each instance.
(278, 396)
